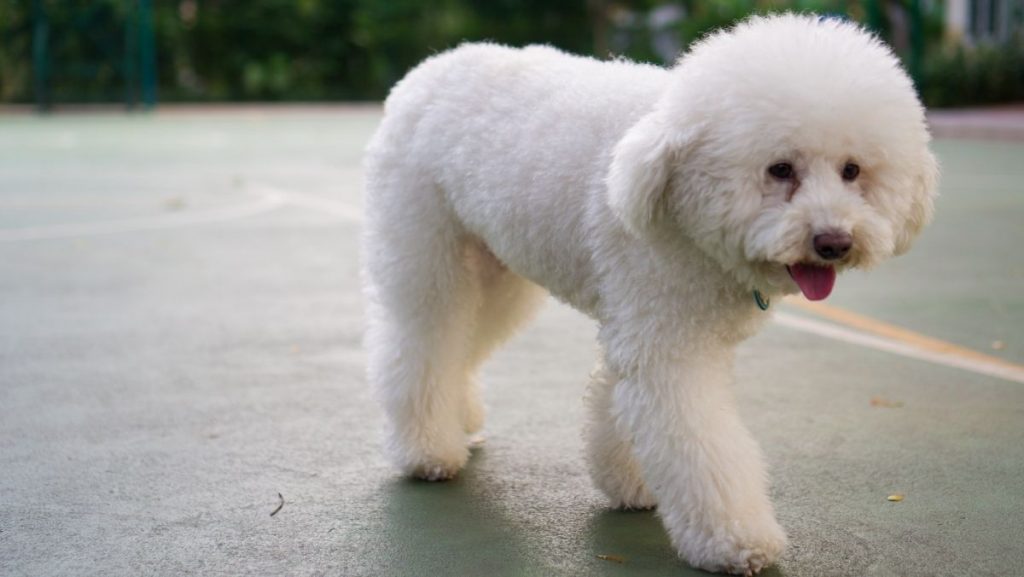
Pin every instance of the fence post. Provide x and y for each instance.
(40, 56)
(916, 42)
(131, 60)
(875, 17)
(147, 54)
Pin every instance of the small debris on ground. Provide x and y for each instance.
(886, 403)
(895, 498)
(998, 345)
(612, 558)
(174, 203)
(279, 505)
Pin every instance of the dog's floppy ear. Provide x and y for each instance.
(639, 173)
(922, 192)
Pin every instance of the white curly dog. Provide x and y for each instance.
(669, 205)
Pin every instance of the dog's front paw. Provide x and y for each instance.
(638, 500)
(624, 488)
(739, 547)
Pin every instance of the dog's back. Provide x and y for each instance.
(517, 141)
(491, 108)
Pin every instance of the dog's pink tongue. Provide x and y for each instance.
(816, 282)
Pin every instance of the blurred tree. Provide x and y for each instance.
(15, 50)
(223, 50)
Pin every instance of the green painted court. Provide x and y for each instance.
(180, 325)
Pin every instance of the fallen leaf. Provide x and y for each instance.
(175, 203)
(612, 558)
(884, 402)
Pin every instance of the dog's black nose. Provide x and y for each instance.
(832, 245)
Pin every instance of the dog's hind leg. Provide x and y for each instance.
(507, 301)
(613, 467)
(423, 302)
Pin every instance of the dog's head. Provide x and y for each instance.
(787, 148)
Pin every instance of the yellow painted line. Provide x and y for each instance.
(930, 348)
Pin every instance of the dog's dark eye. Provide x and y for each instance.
(781, 171)
(850, 171)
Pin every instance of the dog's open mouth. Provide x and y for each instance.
(815, 281)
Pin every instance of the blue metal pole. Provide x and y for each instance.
(40, 55)
(131, 61)
(916, 19)
(147, 54)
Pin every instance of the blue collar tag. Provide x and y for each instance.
(762, 302)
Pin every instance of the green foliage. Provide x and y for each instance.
(15, 48)
(86, 49)
(260, 50)
(338, 49)
(982, 75)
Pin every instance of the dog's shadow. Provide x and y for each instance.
(454, 528)
(631, 543)
(450, 528)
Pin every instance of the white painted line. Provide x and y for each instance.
(843, 334)
(334, 208)
(268, 202)
(270, 198)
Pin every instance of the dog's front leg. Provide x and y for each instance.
(697, 459)
(610, 448)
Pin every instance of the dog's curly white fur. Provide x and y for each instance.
(656, 201)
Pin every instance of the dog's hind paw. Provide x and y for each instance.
(437, 469)
(435, 472)
(430, 461)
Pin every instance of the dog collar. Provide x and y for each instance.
(762, 302)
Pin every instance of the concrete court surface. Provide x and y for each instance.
(180, 326)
